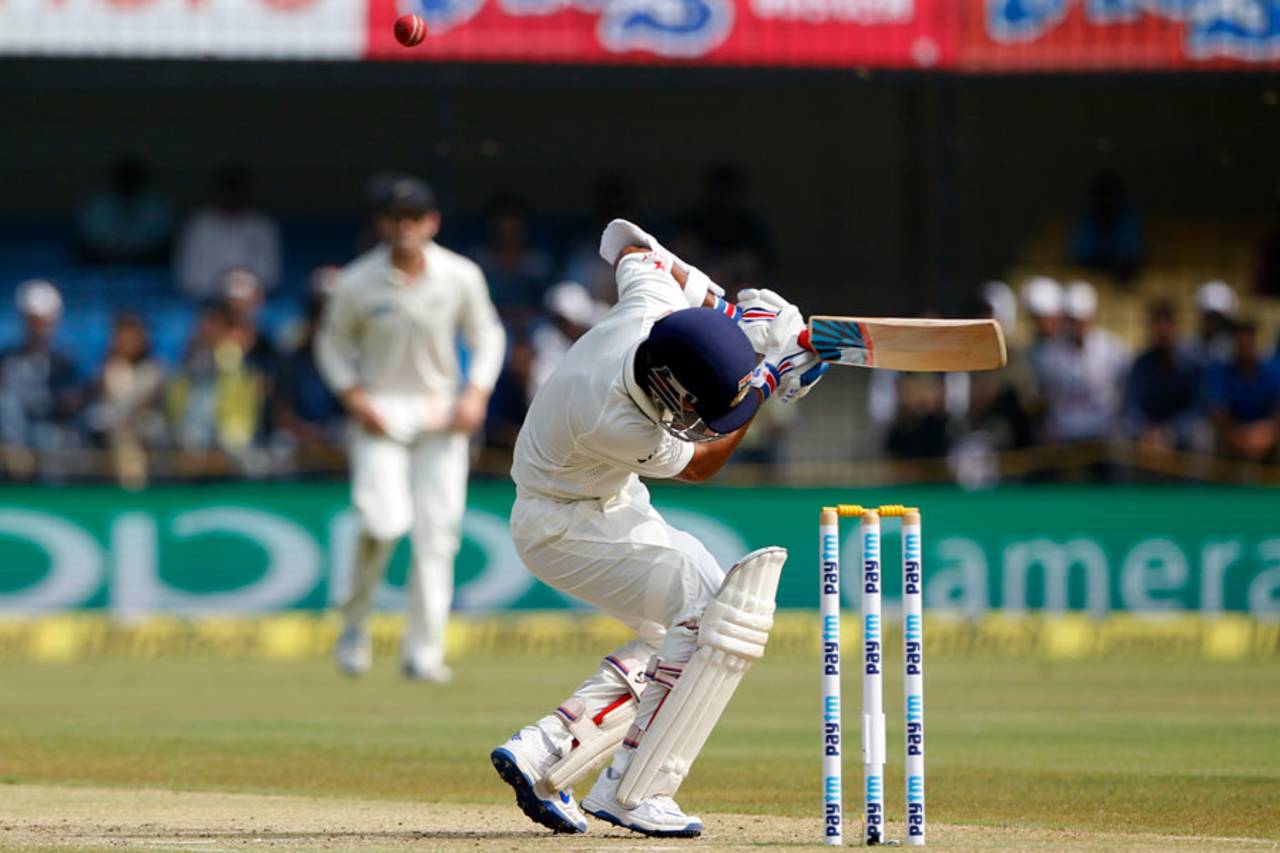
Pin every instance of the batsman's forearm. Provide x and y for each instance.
(710, 457)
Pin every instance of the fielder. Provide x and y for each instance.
(387, 348)
(665, 386)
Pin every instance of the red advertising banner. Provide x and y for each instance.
(955, 35)
(830, 33)
(1114, 35)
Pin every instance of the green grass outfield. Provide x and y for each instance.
(1176, 748)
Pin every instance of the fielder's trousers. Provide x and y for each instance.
(418, 488)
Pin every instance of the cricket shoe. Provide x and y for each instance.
(438, 674)
(354, 652)
(522, 762)
(657, 816)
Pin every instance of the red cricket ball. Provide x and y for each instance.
(410, 30)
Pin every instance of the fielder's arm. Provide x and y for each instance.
(484, 334)
(337, 351)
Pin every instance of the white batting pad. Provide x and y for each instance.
(596, 744)
(732, 633)
(597, 741)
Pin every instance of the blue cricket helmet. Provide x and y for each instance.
(699, 366)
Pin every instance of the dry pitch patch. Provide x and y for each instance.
(44, 817)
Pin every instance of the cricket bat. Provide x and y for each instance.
(894, 343)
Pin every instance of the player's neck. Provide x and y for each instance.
(411, 261)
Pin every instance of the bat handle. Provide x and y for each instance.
(803, 340)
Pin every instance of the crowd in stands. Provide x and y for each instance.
(211, 371)
(1074, 392)
(223, 380)
(1075, 384)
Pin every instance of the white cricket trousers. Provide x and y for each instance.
(622, 556)
(419, 488)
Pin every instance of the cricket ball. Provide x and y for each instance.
(410, 30)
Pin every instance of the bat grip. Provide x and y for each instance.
(803, 340)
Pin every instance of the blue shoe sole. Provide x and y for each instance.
(693, 830)
(534, 808)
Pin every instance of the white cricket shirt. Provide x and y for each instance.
(391, 335)
(591, 430)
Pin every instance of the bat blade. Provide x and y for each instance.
(894, 343)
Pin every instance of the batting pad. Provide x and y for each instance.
(593, 749)
(597, 741)
(732, 633)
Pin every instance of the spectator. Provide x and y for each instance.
(612, 200)
(882, 395)
(243, 292)
(227, 234)
(1042, 297)
(999, 302)
(510, 401)
(1108, 234)
(1001, 401)
(765, 443)
(1082, 373)
(1162, 405)
(1215, 341)
(721, 233)
(517, 271)
(1244, 399)
(570, 313)
(304, 412)
(887, 409)
(124, 414)
(127, 221)
(998, 416)
(40, 393)
(922, 427)
(1267, 275)
(214, 401)
(918, 409)
(722, 221)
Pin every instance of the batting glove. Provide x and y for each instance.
(788, 370)
(756, 311)
(620, 233)
(790, 378)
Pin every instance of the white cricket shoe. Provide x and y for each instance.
(354, 652)
(657, 816)
(523, 762)
(438, 674)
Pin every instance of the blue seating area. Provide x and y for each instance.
(92, 295)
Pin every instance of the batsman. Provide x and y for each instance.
(665, 386)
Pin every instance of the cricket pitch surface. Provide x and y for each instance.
(65, 818)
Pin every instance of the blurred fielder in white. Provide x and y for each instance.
(665, 385)
(388, 348)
